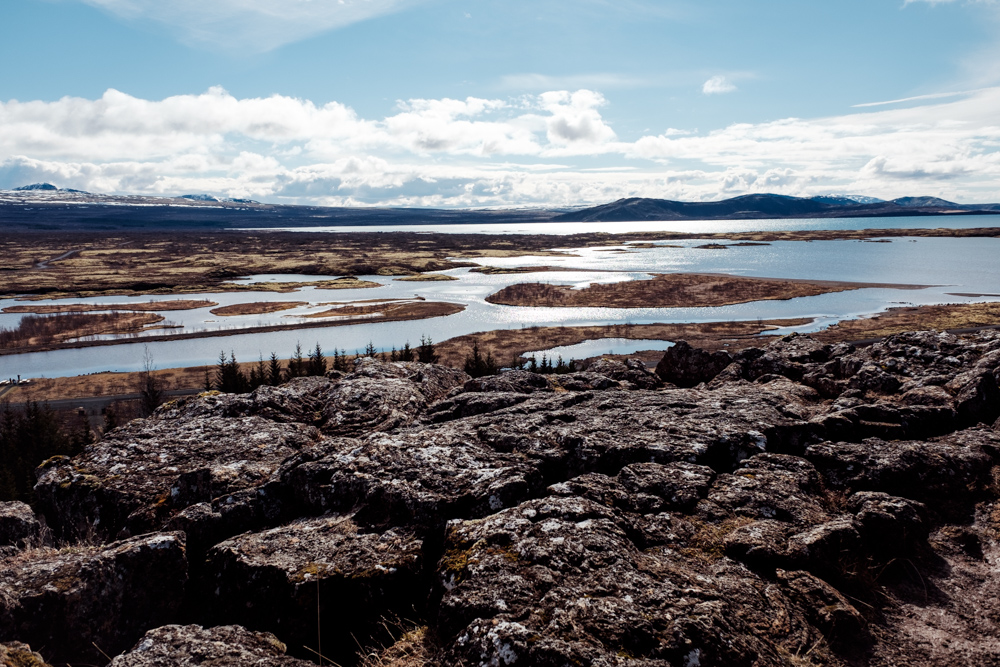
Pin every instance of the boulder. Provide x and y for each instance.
(19, 527)
(557, 581)
(376, 396)
(318, 576)
(140, 475)
(944, 473)
(70, 601)
(890, 525)
(517, 381)
(418, 479)
(687, 366)
(186, 645)
(632, 373)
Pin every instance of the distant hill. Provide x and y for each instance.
(847, 200)
(750, 207)
(924, 201)
(45, 207)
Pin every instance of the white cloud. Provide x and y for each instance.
(718, 85)
(915, 98)
(257, 25)
(556, 148)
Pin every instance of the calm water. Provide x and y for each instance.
(594, 348)
(691, 226)
(945, 265)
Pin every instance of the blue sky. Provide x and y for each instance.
(490, 103)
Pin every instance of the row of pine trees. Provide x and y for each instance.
(230, 376)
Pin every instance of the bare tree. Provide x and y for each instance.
(150, 386)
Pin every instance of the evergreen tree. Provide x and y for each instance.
(296, 365)
(82, 435)
(274, 370)
(532, 364)
(370, 350)
(561, 367)
(228, 375)
(426, 353)
(406, 354)
(28, 436)
(258, 374)
(340, 360)
(317, 362)
(394, 355)
(478, 365)
(208, 385)
(221, 370)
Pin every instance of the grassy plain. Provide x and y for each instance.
(131, 263)
(48, 309)
(426, 278)
(673, 290)
(256, 308)
(41, 332)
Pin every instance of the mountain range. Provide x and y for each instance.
(771, 206)
(43, 206)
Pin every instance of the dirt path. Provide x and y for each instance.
(44, 264)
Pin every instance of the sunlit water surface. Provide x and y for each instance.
(946, 265)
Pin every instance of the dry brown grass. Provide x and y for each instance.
(672, 290)
(509, 344)
(426, 278)
(175, 304)
(410, 650)
(170, 263)
(899, 320)
(256, 308)
(393, 310)
(37, 332)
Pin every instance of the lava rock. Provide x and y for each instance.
(687, 366)
(944, 473)
(140, 475)
(631, 374)
(318, 571)
(518, 381)
(69, 601)
(19, 527)
(185, 645)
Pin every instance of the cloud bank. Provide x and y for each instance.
(555, 148)
(256, 25)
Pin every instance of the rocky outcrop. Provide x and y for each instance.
(143, 474)
(19, 528)
(74, 604)
(276, 580)
(686, 366)
(796, 504)
(183, 645)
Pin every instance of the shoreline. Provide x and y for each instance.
(955, 318)
(446, 309)
(203, 262)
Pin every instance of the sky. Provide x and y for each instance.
(502, 103)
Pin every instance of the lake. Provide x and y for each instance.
(946, 265)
